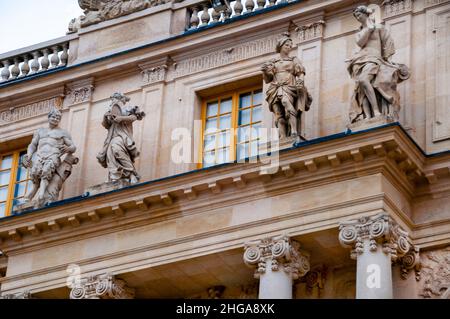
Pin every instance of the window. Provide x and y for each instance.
(231, 125)
(14, 181)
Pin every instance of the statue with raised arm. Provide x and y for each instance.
(119, 150)
(286, 94)
(48, 170)
(376, 77)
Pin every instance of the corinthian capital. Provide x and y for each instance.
(281, 253)
(102, 287)
(381, 231)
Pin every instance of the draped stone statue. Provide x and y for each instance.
(48, 170)
(286, 94)
(376, 77)
(119, 150)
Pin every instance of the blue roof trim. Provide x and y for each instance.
(295, 146)
(184, 34)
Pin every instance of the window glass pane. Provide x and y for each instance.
(6, 162)
(244, 117)
(223, 155)
(209, 158)
(4, 177)
(226, 106)
(210, 142)
(224, 139)
(20, 190)
(2, 210)
(225, 122)
(257, 114)
(257, 97)
(3, 194)
(242, 151)
(22, 173)
(254, 148)
(211, 123)
(245, 100)
(212, 108)
(244, 134)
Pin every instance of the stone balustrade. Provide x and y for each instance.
(203, 14)
(31, 60)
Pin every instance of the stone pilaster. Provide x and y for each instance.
(376, 242)
(102, 287)
(278, 262)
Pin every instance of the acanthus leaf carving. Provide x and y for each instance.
(280, 253)
(435, 274)
(380, 231)
(102, 287)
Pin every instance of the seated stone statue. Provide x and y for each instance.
(376, 77)
(119, 150)
(48, 171)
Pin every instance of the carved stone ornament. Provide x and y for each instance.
(410, 262)
(102, 287)
(18, 113)
(396, 7)
(21, 295)
(380, 230)
(80, 91)
(119, 149)
(281, 253)
(96, 11)
(49, 159)
(375, 97)
(436, 274)
(286, 94)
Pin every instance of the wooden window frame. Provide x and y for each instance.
(12, 179)
(234, 94)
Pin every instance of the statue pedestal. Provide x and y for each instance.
(22, 207)
(370, 123)
(280, 145)
(107, 187)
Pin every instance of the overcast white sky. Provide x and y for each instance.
(27, 22)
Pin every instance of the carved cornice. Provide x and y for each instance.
(280, 253)
(14, 114)
(102, 287)
(436, 274)
(429, 3)
(380, 230)
(387, 150)
(80, 91)
(396, 7)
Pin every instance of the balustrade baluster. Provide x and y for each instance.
(215, 15)
(15, 71)
(55, 57)
(238, 7)
(45, 62)
(5, 72)
(35, 64)
(249, 5)
(227, 13)
(271, 3)
(261, 4)
(194, 18)
(205, 15)
(65, 54)
(25, 68)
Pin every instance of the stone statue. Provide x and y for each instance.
(119, 150)
(287, 95)
(96, 11)
(48, 171)
(376, 77)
